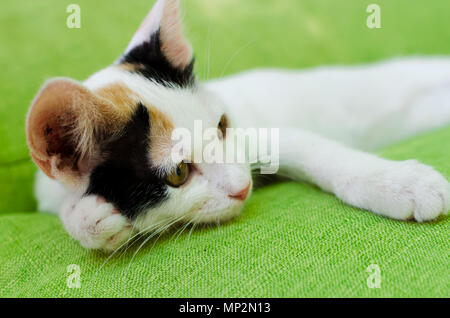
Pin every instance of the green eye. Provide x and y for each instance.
(223, 125)
(179, 175)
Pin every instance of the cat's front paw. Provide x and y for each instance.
(403, 190)
(96, 224)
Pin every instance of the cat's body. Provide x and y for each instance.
(326, 116)
(363, 106)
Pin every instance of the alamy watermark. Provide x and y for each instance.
(374, 279)
(239, 145)
(374, 19)
(73, 20)
(74, 278)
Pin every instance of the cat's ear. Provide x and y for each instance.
(64, 124)
(161, 33)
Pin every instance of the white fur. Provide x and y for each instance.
(50, 193)
(400, 190)
(363, 106)
(95, 224)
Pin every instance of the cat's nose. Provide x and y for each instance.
(241, 194)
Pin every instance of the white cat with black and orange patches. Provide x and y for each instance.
(103, 145)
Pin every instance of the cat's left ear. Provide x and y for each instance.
(161, 34)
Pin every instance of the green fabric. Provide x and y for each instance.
(292, 239)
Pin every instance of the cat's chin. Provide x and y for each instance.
(209, 211)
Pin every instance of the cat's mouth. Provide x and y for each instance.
(210, 211)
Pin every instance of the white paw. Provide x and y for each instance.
(96, 224)
(403, 190)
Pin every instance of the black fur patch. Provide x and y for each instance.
(126, 178)
(154, 65)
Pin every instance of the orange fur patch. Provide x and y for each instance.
(66, 121)
(131, 67)
(160, 138)
(123, 100)
(61, 125)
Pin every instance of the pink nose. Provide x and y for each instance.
(241, 194)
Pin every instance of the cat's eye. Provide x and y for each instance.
(223, 125)
(179, 175)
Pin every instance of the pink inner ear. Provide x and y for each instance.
(174, 45)
(165, 16)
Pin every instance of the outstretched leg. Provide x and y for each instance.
(397, 189)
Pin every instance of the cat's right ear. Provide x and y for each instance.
(64, 124)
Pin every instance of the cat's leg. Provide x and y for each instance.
(429, 110)
(400, 190)
(95, 223)
(49, 193)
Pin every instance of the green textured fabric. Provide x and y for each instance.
(292, 239)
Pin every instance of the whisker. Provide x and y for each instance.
(160, 230)
(194, 225)
(238, 51)
(209, 53)
(142, 233)
(182, 230)
(205, 61)
(126, 242)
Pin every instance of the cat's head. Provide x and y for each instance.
(112, 134)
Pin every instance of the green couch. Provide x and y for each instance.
(292, 240)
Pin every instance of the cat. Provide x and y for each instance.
(103, 145)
